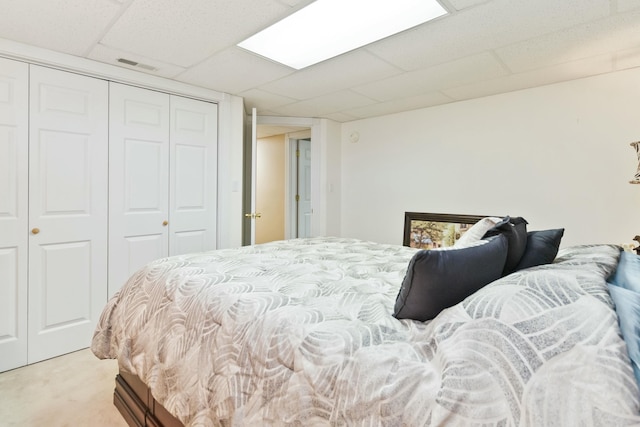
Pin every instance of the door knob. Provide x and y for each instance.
(165, 223)
(35, 231)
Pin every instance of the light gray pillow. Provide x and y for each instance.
(477, 231)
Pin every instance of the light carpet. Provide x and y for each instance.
(74, 390)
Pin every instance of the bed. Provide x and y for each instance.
(305, 332)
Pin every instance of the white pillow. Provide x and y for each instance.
(476, 232)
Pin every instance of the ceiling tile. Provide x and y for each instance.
(341, 117)
(265, 100)
(627, 5)
(110, 56)
(490, 25)
(70, 26)
(336, 74)
(174, 32)
(296, 3)
(544, 76)
(596, 38)
(627, 59)
(234, 70)
(266, 112)
(463, 4)
(452, 74)
(318, 107)
(471, 52)
(405, 104)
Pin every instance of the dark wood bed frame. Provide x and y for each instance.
(137, 406)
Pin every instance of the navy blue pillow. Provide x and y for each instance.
(440, 278)
(542, 248)
(515, 230)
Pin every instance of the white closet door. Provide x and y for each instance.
(14, 146)
(68, 149)
(138, 180)
(193, 172)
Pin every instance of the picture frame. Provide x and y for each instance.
(435, 230)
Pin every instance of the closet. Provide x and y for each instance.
(14, 179)
(53, 210)
(96, 179)
(162, 180)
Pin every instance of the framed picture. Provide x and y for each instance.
(432, 230)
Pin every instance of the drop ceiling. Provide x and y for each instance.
(482, 47)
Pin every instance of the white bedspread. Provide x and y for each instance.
(301, 333)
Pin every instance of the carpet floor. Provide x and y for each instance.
(74, 390)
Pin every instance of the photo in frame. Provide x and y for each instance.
(434, 230)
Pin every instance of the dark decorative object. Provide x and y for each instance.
(515, 230)
(637, 248)
(636, 178)
(432, 230)
(542, 248)
(436, 280)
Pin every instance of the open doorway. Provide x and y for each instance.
(283, 183)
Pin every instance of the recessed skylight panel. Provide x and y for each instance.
(328, 28)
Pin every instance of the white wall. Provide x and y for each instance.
(557, 155)
(270, 188)
(230, 157)
(330, 177)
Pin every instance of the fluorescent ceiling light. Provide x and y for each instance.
(328, 28)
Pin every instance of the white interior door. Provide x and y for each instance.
(138, 180)
(14, 158)
(68, 149)
(252, 216)
(193, 173)
(304, 188)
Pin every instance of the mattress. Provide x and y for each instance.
(300, 332)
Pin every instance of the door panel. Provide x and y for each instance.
(68, 149)
(304, 188)
(14, 133)
(190, 241)
(138, 180)
(12, 310)
(194, 147)
(145, 176)
(65, 190)
(140, 250)
(191, 178)
(66, 269)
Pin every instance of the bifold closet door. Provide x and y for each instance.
(193, 172)
(14, 158)
(68, 178)
(138, 180)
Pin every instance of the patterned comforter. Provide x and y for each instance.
(300, 333)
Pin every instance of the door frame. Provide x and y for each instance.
(291, 166)
(315, 127)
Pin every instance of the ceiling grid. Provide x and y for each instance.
(481, 48)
